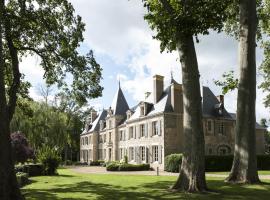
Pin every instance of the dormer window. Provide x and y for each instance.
(142, 110)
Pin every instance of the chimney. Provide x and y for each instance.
(177, 97)
(158, 87)
(146, 95)
(93, 116)
(220, 99)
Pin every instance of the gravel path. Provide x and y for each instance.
(102, 170)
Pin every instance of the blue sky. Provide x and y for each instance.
(123, 45)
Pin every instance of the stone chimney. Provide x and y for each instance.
(158, 87)
(93, 116)
(177, 97)
(221, 99)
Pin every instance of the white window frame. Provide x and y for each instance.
(155, 153)
(142, 130)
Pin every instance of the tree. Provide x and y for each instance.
(49, 29)
(176, 22)
(20, 148)
(229, 82)
(244, 168)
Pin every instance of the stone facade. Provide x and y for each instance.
(153, 129)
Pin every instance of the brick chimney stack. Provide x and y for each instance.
(158, 87)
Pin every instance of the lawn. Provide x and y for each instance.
(226, 173)
(69, 185)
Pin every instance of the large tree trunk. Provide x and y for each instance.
(192, 173)
(9, 189)
(244, 169)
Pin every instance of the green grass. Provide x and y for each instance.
(70, 185)
(226, 173)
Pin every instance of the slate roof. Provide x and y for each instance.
(163, 105)
(95, 125)
(119, 104)
(210, 104)
(257, 126)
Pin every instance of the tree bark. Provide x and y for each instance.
(244, 168)
(192, 173)
(9, 189)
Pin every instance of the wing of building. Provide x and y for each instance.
(153, 129)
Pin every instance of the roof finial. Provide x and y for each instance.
(119, 82)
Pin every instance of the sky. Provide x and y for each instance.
(123, 46)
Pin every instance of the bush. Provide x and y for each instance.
(80, 164)
(263, 162)
(127, 167)
(112, 167)
(97, 163)
(22, 179)
(126, 159)
(20, 148)
(50, 160)
(214, 163)
(173, 162)
(68, 162)
(30, 169)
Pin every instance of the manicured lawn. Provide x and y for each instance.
(226, 173)
(70, 185)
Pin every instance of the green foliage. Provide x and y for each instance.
(172, 18)
(214, 163)
(22, 179)
(50, 159)
(173, 162)
(30, 169)
(229, 82)
(126, 159)
(51, 30)
(114, 166)
(97, 163)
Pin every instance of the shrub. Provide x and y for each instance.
(127, 167)
(214, 163)
(80, 163)
(112, 167)
(97, 163)
(22, 179)
(50, 159)
(173, 162)
(20, 148)
(68, 162)
(263, 162)
(30, 169)
(126, 159)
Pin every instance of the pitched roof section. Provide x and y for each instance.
(95, 124)
(209, 104)
(119, 104)
(257, 125)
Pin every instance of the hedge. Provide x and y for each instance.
(30, 169)
(214, 163)
(127, 167)
(97, 163)
(22, 179)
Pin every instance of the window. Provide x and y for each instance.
(121, 154)
(131, 129)
(143, 153)
(155, 128)
(155, 153)
(122, 135)
(142, 130)
(90, 138)
(209, 126)
(110, 124)
(104, 154)
(142, 110)
(221, 128)
(210, 151)
(104, 138)
(100, 139)
(131, 153)
(86, 140)
(110, 136)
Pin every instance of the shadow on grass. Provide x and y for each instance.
(152, 191)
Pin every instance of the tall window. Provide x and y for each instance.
(155, 153)
(131, 153)
(155, 128)
(142, 130)
(110, 124)
(86, 140)
(131, 130)
(221, 129)
(104, 138)
(143, 153)
(209, 126)
(121, 153)
(104, 154)
(110, 136)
